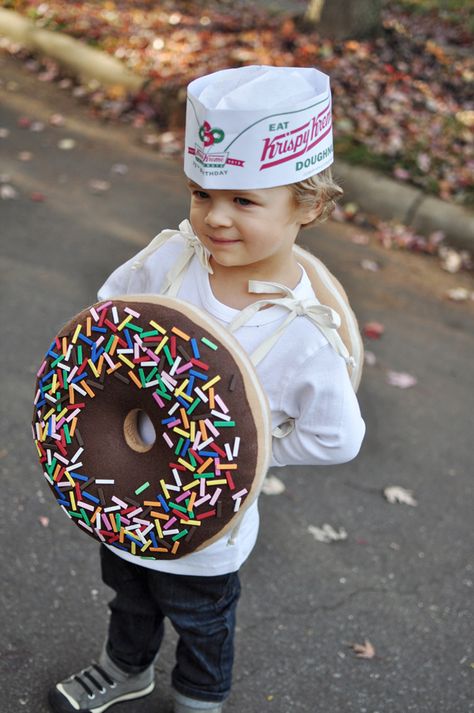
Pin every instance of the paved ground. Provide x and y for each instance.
(404, 577)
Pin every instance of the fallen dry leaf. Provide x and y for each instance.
(273, 486)
(397, 494)
(327, 533)
(363, 651)
(401, 379)
(373, 330)
(459, 294)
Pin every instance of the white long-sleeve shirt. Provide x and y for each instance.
(305, 380)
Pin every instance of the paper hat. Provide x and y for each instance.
(258, 127)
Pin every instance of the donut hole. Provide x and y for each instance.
(138, 430)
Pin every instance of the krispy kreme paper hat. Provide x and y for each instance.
(258, 127)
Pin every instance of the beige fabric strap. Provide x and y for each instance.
(325, 318)
(175, 276)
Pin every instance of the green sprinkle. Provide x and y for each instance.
(168, 355)
(209, 344)
(193, 406)
(118, 521)
(67, 434)
(135, 327)
(84, 517)
(109, 343)
(149, 334)
(163, 394)
(178, 447)
(79, 354)
(151, 374)
(180, 535)
(142, 376)
(142, 488)
(56, 361)
(223, 424)
(178, 507)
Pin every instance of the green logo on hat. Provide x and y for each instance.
(209, 136)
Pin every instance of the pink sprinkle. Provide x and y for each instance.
(215, 497)
(104, 306)
(41, 369)
(222, 405)
(131, 311)
(211, 427)
(160, 403)
(169, 523)
(94, 314)
(240, 494)
(185, 367)
(174, 423)
(165, 435)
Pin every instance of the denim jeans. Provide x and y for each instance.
(201, 609)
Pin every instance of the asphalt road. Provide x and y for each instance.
(403, 578)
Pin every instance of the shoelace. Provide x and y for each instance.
(87, 674)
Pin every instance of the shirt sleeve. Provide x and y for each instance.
(328, 427)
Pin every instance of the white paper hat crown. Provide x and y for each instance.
(258, 127)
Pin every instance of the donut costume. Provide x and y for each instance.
(140, 350)
(196, 385)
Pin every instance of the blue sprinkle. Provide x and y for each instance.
(86, 340)
(199, 375)
(163, 502)
(195, 349)
(91, 497)
(79, 476)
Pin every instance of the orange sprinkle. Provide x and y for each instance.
(135, 379)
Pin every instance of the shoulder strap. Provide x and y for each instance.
(175, 275)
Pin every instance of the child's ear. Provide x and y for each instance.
(310, 213)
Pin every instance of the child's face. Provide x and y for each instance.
(246, 227)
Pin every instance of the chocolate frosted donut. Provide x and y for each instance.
(163, 357)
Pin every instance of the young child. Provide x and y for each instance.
(258, 150)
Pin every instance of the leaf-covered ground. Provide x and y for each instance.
(403, 102)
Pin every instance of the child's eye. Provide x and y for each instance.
(242, 201)
(201, 195)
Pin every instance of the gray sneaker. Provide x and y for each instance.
(99, 686)
(183, 704)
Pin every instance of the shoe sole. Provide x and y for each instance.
(60, 703)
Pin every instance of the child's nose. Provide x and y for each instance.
(218, 216)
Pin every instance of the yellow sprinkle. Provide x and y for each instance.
(216, 482)
(158, 327)
(158, 528)
(165, 489)
(125, 322)
(49, 414)
(178, 430)
(146, 545)
(92, 366)
(186, 465)
(129, 363)
(193, 431)
(73, 500)
(76, 333)
(192, 485)
(210, 383)
(161, 345)
(191, 522)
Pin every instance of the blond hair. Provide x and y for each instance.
(319, 190)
